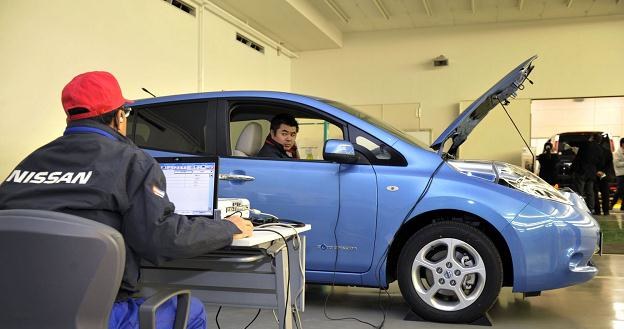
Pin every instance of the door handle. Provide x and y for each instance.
(234, 177)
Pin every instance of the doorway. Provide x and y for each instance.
(553, 118)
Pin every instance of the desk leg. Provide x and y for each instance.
(281, 278)
(296, 260)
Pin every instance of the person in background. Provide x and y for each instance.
(548, 162)
(618, 166)
(603, 176)
(94, 171)
(281, 140)
(584, 169)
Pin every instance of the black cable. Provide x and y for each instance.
(298, 324)
(518, 130)
(380, 262)
(287, 268)
(217, 317)
(232, 214)
(334, 280)
(254, 319)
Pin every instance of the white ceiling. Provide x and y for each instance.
(319, 24)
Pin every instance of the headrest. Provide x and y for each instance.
(250, 139)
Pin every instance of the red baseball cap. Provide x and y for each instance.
(96, 92)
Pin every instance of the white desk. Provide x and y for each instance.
(260, 237)
(253, 272)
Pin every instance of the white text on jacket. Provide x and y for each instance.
(45, 177)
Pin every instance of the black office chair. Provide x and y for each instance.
(64, 271)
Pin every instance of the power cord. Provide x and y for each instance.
(247, 326)
(383, 256)
(287, 267)
(217, 317)
(296, 245)
(254, 319)
(234, 213)
(334, 283)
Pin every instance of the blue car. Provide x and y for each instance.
(382, 205)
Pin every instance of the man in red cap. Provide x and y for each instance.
(96, 172)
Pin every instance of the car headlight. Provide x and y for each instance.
(510, 176)
(527, 182)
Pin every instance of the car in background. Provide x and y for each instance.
(382, 205)
(567, 144)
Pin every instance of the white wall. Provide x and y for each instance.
(580, 57)
(553, 116)
(497, 138)
(145, 43)
(231, 65)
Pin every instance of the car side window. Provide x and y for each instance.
(374, 150)
(250, 128)
(379, 151)
(175, 128)
(312, 135)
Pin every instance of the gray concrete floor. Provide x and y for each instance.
(597, 304)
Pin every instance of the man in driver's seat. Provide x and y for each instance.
(281, 140)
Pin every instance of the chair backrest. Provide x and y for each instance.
(57, 270)
(250, 140)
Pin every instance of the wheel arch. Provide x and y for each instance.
(420, 221)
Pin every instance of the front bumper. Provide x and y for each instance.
(552, 246)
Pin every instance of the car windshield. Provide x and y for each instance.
(378, 123)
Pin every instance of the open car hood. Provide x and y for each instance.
(459, 130)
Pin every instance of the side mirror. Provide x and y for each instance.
(339, 151)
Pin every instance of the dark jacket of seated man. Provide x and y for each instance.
(94, 171)
(280, 142)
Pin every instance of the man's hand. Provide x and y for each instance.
(243, 225)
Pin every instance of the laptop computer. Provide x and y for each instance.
(192, 184)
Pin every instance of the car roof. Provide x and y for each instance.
(218, 94)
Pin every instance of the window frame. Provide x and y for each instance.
(229, 106)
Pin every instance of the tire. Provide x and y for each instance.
(457, 289)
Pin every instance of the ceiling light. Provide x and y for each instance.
(338, 11)
(382, 9)
(427, 7)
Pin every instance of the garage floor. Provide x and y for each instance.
(612, 227)
(596, 304)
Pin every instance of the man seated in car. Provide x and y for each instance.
(280, 142)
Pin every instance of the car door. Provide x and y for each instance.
(338, 200)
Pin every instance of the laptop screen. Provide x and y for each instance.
(191, 183)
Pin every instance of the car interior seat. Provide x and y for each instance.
(250, 140)
(64, 271)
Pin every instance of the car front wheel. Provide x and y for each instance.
(450, 272)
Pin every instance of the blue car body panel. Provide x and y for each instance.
(551, 244)
(357, 210)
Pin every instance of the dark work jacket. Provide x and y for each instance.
(548, 163)
(104, 177)
(607, 162)
(273, 149)
(588, 160)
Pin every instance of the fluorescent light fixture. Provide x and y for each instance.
(427, 7)
(382, 9)
(338, 11)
